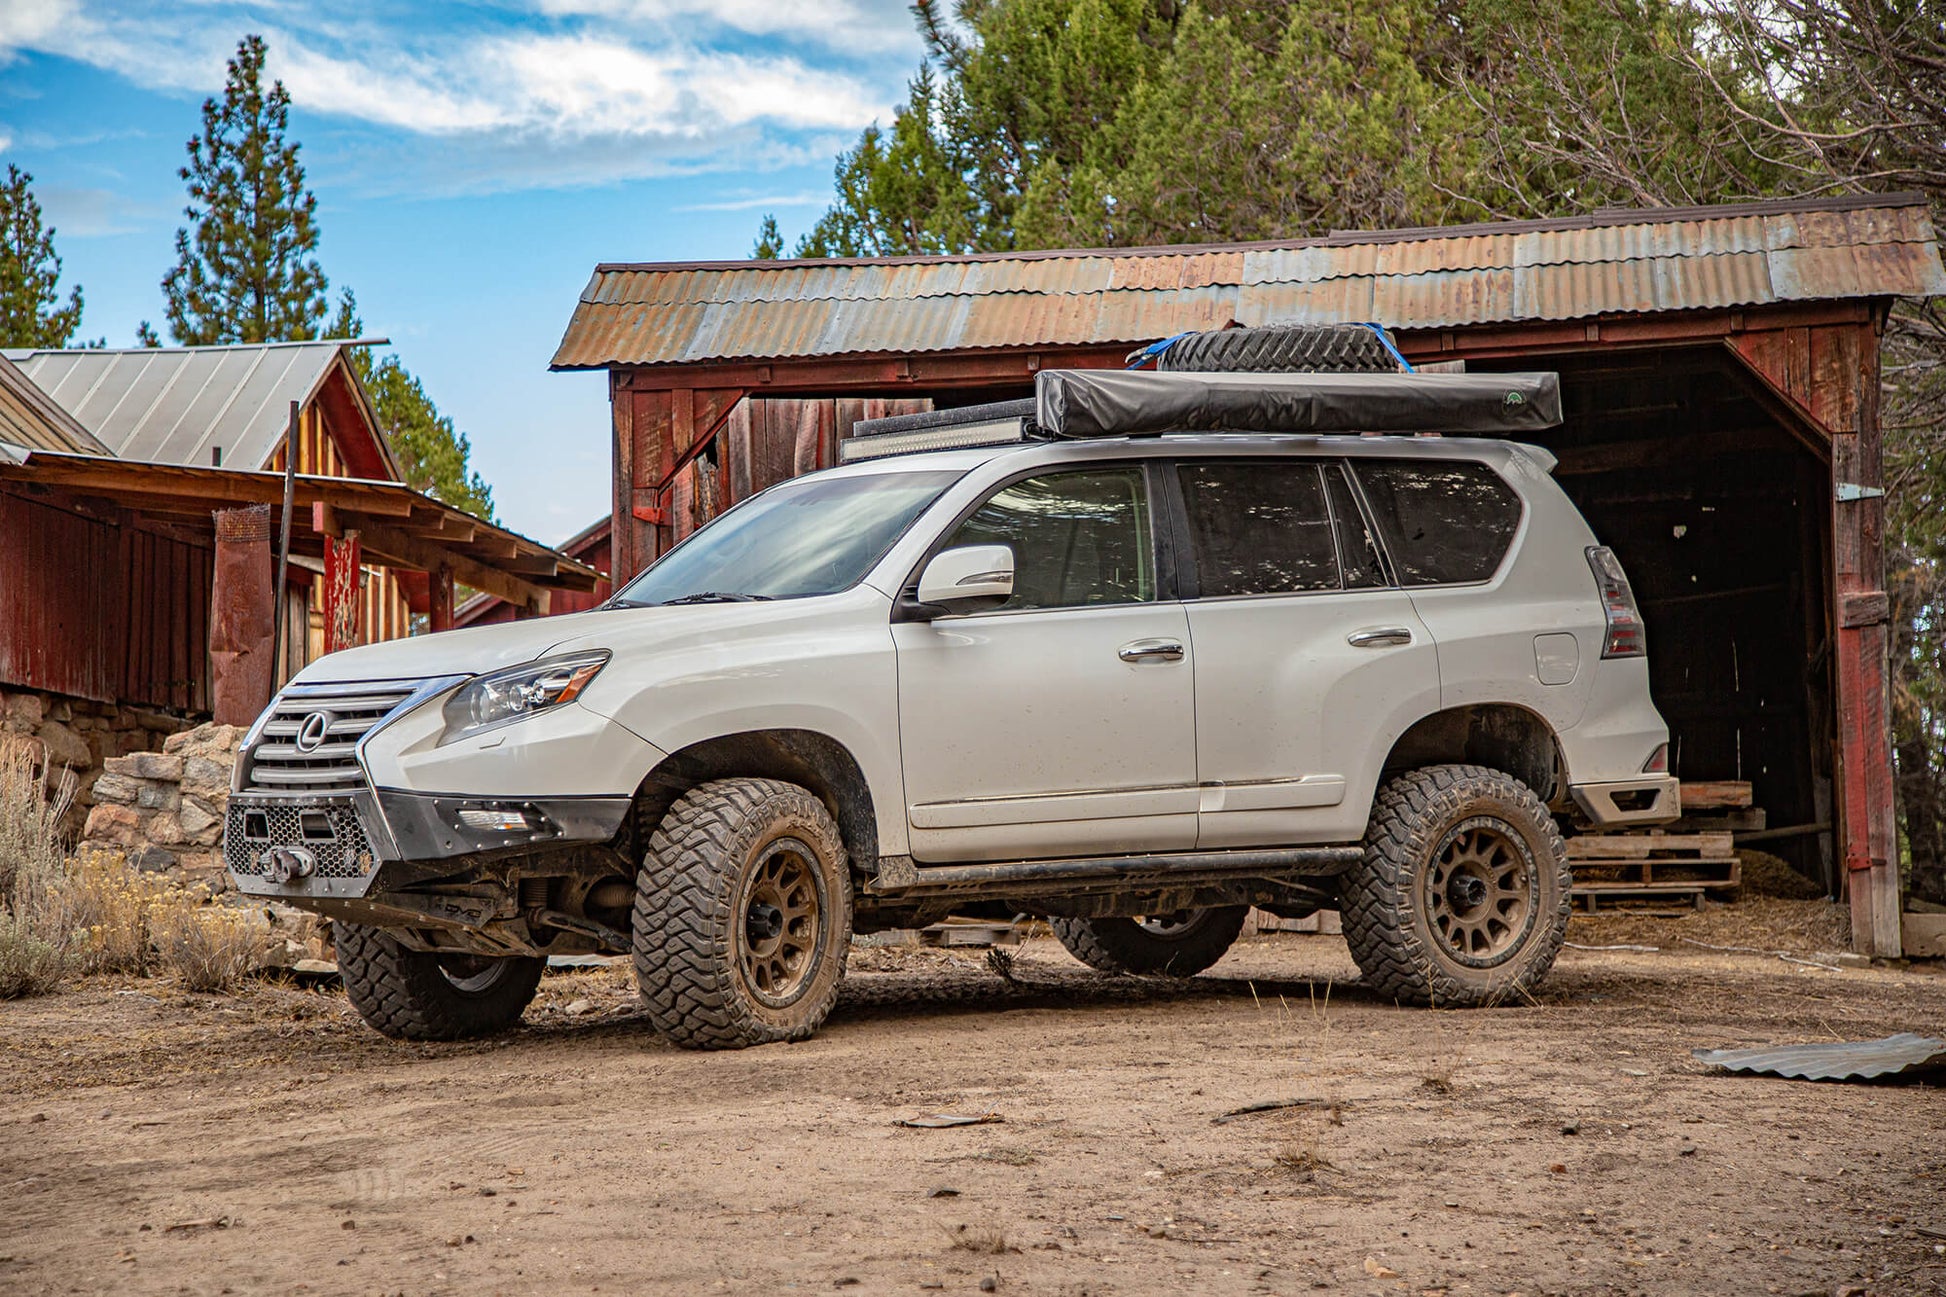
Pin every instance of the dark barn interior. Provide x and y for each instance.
(1717, 512)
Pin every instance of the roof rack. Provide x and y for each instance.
(1086, 403)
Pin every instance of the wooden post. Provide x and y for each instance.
(342, 574)
(441, 604)
(242, 616)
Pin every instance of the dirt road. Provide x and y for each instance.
(152, 1142)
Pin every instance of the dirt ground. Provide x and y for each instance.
(155, 1142)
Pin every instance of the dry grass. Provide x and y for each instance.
(986, 1241)
(1300, 1154)
(35, 937)
(210, 948)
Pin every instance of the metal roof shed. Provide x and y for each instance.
(1720, 374)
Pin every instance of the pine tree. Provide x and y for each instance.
(30, 310)
(770, 244)
(432, 454)
(244, 270)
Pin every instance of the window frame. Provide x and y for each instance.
(1189, 573)
(1162, 542)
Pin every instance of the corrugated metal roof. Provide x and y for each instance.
(173, 405)
(29, 419)
(1905, 1054)
(1611, 262)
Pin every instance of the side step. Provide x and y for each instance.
(900, 876)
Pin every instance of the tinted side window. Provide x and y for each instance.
(1259, 526)
(1441, 522)
(1078, 538)
(1357, 547)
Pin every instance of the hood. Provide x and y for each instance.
(479, 649)
(472, 651)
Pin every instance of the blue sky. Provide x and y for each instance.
(472, 163)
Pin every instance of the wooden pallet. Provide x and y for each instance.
(1653, 865)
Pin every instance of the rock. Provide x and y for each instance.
(117, 788)
(64, 746)
(157, 722)
(205, 778)
(1378, 1269)
(580, 1007)
(154, 796)
(989, 1284)
(60, 710)
(148, 765)
(22, 712)
(198, 819)
(152, 860)
(1572, 1127)
(111, 823)
(165, 827)
(325, 968)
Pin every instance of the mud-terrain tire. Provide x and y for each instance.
(742, 916)
(1462, 898)
(413, 995)
(1181, 948)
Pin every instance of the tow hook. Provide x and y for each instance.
(281, 864)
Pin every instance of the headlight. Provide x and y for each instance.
(518, 692)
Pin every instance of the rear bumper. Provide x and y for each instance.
(345, 846)
(1648, 799)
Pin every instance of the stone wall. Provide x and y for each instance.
(81, 736)
(164, 810)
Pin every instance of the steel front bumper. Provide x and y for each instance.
(339, 846)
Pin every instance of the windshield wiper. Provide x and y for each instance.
(716, 596)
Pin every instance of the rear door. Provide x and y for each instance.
(1062, 723)
(1309, 660)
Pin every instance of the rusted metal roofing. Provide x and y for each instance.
(30, 421)
(1905, 1054)
(1611, 262)
(175, 405)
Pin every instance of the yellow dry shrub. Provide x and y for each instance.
(110, 908)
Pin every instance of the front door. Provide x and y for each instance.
(1062, 723)
(1309, 661)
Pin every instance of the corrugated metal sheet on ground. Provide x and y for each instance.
(174, 405)
(1904, 1055)
(1618, 262)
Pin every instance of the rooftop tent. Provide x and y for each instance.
(1109, 403)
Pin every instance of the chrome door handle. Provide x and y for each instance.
(1143, 650)
(1382, 637)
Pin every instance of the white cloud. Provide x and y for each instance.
(78, 212)
(771, 202)
(613, 83)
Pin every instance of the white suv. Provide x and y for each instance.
(1135, 683)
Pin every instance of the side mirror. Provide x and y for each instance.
(968, 579)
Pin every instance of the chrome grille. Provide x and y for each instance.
(278, 764)
(328, 830)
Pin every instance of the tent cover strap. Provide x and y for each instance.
(1116, 403)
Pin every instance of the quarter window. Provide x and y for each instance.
(1079, 538)
(1442, 523)
(1259, 526)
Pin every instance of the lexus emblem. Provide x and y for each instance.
(311, 734)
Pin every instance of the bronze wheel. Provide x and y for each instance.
(1181, 943)
(783, 907)
(1479, 892)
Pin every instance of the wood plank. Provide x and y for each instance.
(1719, 792)
(1640, 846)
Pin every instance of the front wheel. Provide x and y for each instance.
(1462, 898)
(742, 916)
(1179, 945)
(419, 995)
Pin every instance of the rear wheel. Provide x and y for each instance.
(417, 995)
(1180, 944)
(1462, 898)
(742, 916)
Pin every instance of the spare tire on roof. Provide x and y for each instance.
(1293, 348)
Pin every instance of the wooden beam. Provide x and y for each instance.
(324, 519)
(398, 548)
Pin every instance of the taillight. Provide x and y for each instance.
(1624, 638)
(1658, 762)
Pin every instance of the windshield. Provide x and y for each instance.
(814, 535)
